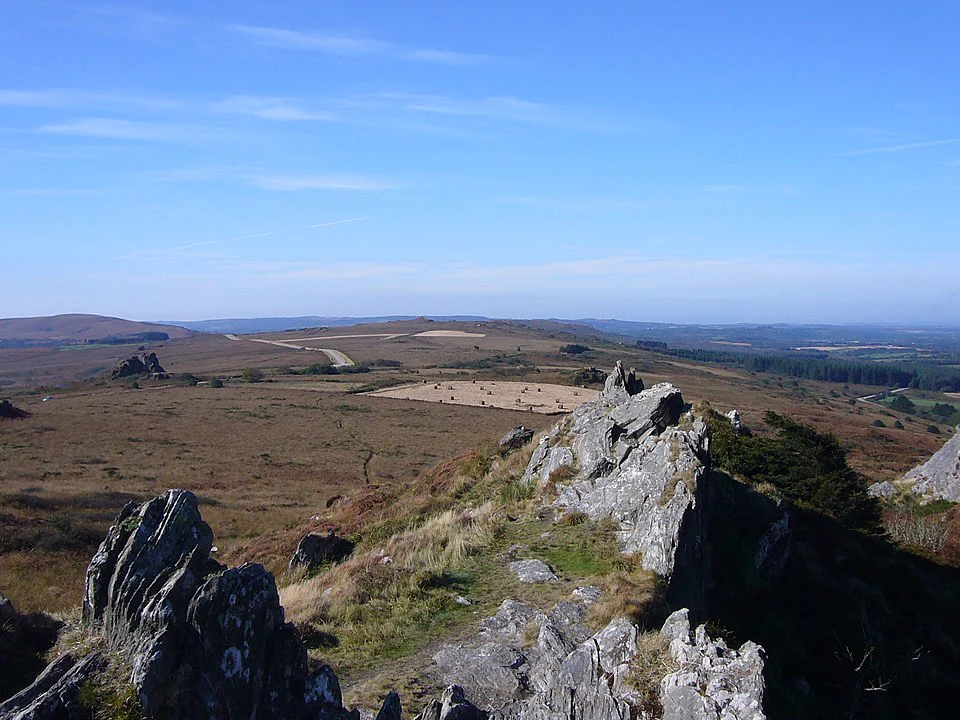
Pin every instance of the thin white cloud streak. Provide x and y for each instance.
(271, 108)
(116, 129)
(337, 222)
(905, 147)
(344, 45)
(511, 109)
(294, 183)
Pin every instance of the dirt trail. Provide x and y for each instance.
(337, 358)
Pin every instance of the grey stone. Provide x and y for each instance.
(881, 489)
(939, 477)
(713, 682)
(55, 694)
(734, 417)
(516, 438)
(632, 463)
(390, 710)
(532, 571)
(452, 705)
(315, 550)
(774, 549)
(588, 594)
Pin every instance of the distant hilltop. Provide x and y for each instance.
(83, 329)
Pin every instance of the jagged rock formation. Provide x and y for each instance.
(138, 365)
(713, 681)
(569, 672)
(55, 694)
(315, 550)
(939, 477)
(630, 461)
(9, 411)
(202, 641)
(516, 438)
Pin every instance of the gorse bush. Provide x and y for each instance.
(805, 465)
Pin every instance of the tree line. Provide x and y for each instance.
(852, 372)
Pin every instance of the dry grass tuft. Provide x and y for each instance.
(652, 662)
(383, 602)
(630, 592)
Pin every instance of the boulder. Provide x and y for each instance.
(532, 571)
(9, 411)
(939, 477)
(881, 489)
(713, 682)
(452, 705)
(516, 438)
(316, 550)
(137, 366)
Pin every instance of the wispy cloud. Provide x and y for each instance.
(345, 45)
(904, 147)
(270, 108)
(118, 129)
(291, 183)
(338, 222)
(510, 109)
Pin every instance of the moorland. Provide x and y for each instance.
(274, 439)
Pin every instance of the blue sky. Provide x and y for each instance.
(682, 162)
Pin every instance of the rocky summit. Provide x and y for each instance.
(626, 456)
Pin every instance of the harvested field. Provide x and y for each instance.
(450, 334)
(542, 398)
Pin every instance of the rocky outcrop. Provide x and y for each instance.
(202, 641)
(939, 477)
(713, 682)
(9, 411)
(623, 456)
(137, 366)
(315, 550)
(528, 664)
(516, 438)
(55, 694)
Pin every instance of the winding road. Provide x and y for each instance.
(337, 358)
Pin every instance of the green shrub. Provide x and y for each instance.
(807, 466)
(879, 423)
(252, 375)
(933, 429)
(216, 383)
